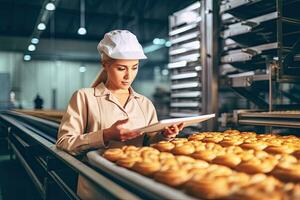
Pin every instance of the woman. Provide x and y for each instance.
(103, 115)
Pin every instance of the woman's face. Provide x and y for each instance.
(121, 73)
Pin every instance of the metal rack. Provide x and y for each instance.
(261, 42)
(184, 64)
(289, 119)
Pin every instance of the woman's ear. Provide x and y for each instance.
(104, 65)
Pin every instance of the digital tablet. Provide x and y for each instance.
(169, 122)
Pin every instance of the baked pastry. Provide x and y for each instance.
(146, 167)
(257, 145)
(184, 159)
(232, 132)
(113, 154)
(269, 188)
(178, 140)
(208, 188)
(256, 165)
(164, 146)
(183, 149)
(291, 191)
(231, 142)
(218, 170)
(207, 155)
(229, 160)
(287, 172)
(170, 163)
(279, 149)
(286, 158)
(165, 155)
(128, 162)
(196, 137)
(129, 148)
(172, 177)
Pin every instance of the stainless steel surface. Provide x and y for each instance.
(290, 119)
(86, 171)
(185, 67)
(159, 190)
(210, 24)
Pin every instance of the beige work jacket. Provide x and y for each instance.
(89, 112)
(93, 109)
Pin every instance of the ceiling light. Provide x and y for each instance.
(82, 69)
(168, 44)
(81, 31)
(50, 6)
(159, 41)
(156, 41)
(41, 26)
(34, 40)
(27, 57)
(31, 47)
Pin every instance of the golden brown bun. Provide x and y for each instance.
(128, 162)
(164, 146)
(287, 172)
(256, 145)
(113, 154)
(171, 177)
(196, 137)
(282, 149)
(129, 148)
(178, 140)
(146, 168)
(255, 165)
(269, 188)
(232, 132)
(208, 188)
(207, 155)
(183, 149)
(165, 155)
(230, 142)
(213, 139)
(229, 160)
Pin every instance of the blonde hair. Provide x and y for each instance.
(102, 75)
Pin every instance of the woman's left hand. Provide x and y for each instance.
(172, 131)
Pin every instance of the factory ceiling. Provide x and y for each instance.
(148, 19)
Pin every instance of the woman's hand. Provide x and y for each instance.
(117, 132)
(172, 131)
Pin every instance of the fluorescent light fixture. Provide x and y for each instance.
(168, 44)
(50, 6)
(156, 41)
(82, 69)
(152, 48)
(41, 26)
(31, 47)
(165, 72)
(27, 57)
(81, 31)
(34, 40)
(159, 41)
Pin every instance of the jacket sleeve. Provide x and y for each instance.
(71, 135)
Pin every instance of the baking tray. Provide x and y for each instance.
(146, 186)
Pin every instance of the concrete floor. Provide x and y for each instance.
(15, 184)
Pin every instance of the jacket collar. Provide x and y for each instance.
(101, 90)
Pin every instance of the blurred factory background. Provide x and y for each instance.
(55, 60)
(239, 59)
